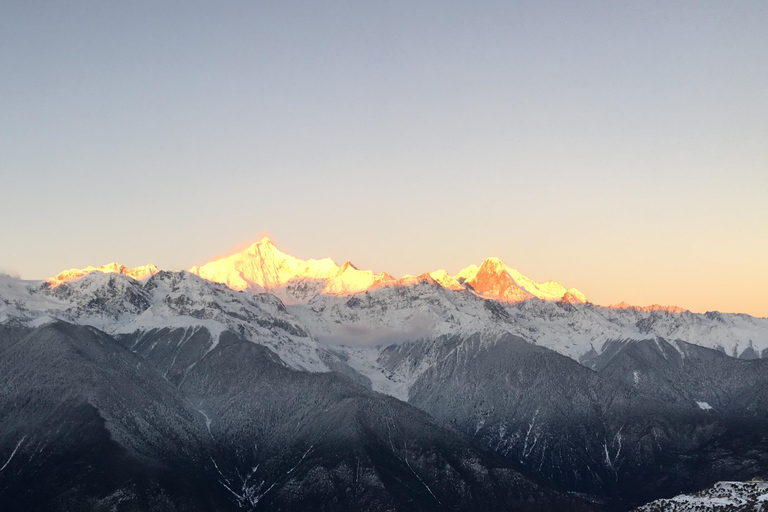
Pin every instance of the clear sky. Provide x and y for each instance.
(617, 147)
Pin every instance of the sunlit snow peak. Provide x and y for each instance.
(138, 273)
(263, 266)
(495, 279)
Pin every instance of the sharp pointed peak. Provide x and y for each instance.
(493, 260)
(492, 263)
(347, 265)
(264, 243)
(263, 246)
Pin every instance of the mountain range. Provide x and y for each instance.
(261, 381)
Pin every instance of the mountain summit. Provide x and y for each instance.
(263, 267)
(495, 279)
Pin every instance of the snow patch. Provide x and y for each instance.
(13, 452)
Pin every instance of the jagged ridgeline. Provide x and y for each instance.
(264, 382)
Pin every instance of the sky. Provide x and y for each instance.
(617, 147)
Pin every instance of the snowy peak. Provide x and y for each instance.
(493, 278)
(496, 279)
(466, 274)
(409, 280)
(263, 267)
(137, 273)
(350, 280)
(445, 280)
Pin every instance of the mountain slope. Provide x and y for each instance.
(87, 426)
(344, 446)
(590, 432)
(93, 426)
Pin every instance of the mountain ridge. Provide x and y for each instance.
(588, 398)
(262, 267)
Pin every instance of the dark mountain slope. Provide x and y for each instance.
(687, 373)
(87, 426)
(587, 431)
(292, 440)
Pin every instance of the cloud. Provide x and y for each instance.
(419, 326)
(10, 273)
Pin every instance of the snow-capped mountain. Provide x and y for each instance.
(494, 279)
(120, 305)
(263, 267)
(138, 273)
(342, 305)
(622, 403)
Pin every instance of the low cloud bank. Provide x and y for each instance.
(418, 326)
(9, 273)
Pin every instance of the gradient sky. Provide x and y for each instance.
(618, 147)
